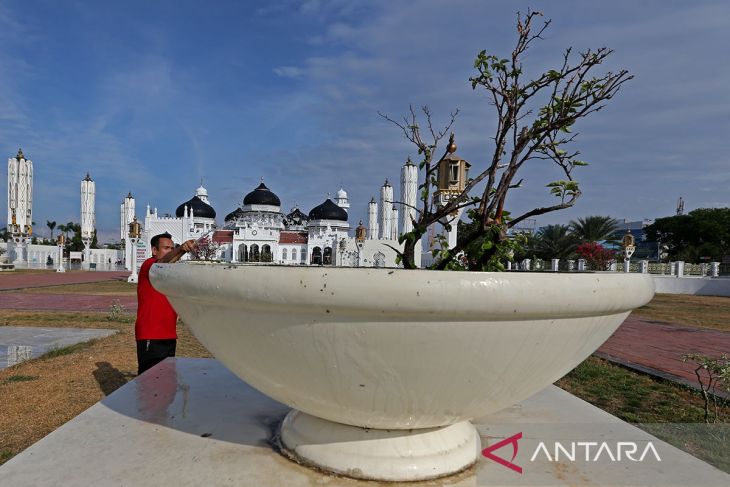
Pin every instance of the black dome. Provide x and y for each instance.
(233, 215)
(328, 211)
(261, 196)
(200, 208)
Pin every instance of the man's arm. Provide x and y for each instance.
(178, 252)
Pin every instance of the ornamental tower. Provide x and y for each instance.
(88, 216)
(20, 206)
(127, 216)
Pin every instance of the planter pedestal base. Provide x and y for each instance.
(373, 454)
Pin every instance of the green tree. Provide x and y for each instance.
(554, 242)
(52, 225)
(595, 228)
(534, 123)
(701, 233)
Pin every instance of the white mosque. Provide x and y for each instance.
(258, 230)
(255, 231)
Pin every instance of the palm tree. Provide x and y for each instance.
(69, 228)
(51, 224)
(595, 228)
(554, 242)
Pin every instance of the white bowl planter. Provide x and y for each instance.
(385, 367)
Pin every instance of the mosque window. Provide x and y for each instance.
(454, 172)
(293, 254)
(284, 254)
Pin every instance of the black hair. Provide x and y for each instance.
(156, 239)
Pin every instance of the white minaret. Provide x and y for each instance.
(394, 224)
(386, 211)
(88, 216)
(202, 193)
(372, 219)
(342, 201)
(20, 206)
(408, 195)
(128, 215)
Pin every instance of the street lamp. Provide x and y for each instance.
(629, 248)
(61, 242)
(135, 231)
(360, 235)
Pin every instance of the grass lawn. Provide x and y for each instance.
(689, 310)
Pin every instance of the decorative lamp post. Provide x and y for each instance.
(135, 231)
(629, 248)
(360, 236)
(452, 177)
(61, 242)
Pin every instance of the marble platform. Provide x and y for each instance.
(190, 422)
(19, 343)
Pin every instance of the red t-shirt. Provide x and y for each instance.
(156, 318)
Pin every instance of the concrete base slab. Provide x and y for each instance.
(19, 343)
(192, 422)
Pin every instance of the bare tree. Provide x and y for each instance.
(534, 122)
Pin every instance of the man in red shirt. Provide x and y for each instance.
(154, 329)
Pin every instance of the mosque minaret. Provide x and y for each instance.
(386, 211)
(372, 231)
(408, 192)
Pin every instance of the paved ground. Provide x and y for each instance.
(12, 281)
(64, 302)
(656, 348)
(19, 343)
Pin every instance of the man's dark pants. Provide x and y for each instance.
(152, 352)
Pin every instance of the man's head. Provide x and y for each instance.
(162, 245)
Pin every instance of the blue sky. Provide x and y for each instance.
(150, 96)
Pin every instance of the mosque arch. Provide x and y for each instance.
(243, 253)
(379, 259)
(294, 254)
(254, 255)
(316, 256)
(266, 254)
(284, 254)
(327, 258)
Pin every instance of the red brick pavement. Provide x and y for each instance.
(12, 281)
(656, 348)
(64, 302)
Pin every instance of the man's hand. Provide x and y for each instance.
(178, 252)
(189, 246)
